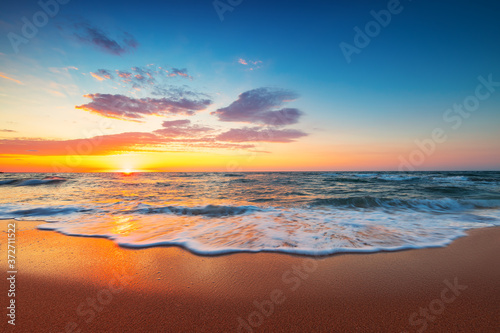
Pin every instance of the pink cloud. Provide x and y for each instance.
(181, 129)
(256, 134)
(252, 64)
(175, 135)
(96, 76)
(2, 75)
(98, 145)
(126, 108)
(114, 144)
(124, 74)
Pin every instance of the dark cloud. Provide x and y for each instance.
(92, 35)
(260, 106)
(126, 108)
(256, 134)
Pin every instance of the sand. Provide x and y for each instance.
(78, 284)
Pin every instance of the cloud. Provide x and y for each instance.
(124, 75)
(252, 65)
(126, 108)
(174, 136)
(177, 92)
(149, 77)
(181, 129)
(56, 93)
(112, 144)
(7, 131)
(179, 72)
(92, 35)
(99, 145)
(2, 75)
(258, 106)
(102, 74)
(256, 134)
(62, 70)
(97, 77)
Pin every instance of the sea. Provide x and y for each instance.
(213, 213)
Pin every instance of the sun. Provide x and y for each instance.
(127, 172)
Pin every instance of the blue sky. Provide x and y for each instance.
(392, 93)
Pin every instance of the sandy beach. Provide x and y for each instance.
(79, 284)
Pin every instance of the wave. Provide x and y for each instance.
(347, 180)
(451, 179)
(243, 180)
(209, 210)
(282, 230)
(448, 190)
(366, 177)
(8, 181)
(33, 182)
(427, 205)
(18, 212)
(262, 200)
(397, 177)
(306, 213)
(182, 175)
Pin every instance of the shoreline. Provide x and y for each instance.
(67, 284)
(231, 252)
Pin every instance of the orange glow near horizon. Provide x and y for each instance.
(284, 160)
(128, 172)
(300, 156)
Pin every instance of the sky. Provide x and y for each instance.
(240, 85)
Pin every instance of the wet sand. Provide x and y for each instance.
(79, 284)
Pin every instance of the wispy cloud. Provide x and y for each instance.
(92, 35)
(250, 64)
(258, 134)
(179, 72)
(97, 77)
(115, 144)
(102, 145)
(175, 135)
(3, 75)
(103, 74)
(150, 77)
(126, 108)
(62, 70)
(181, 129)
(7, 131)
(258, 106)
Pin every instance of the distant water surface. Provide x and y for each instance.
(312, 213)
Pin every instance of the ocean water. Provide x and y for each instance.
(310, 213)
